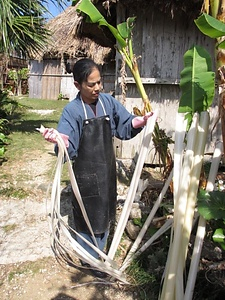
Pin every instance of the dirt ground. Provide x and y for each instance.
(28, 269)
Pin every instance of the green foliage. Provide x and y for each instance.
(22, 25)
(147, 271)
(138, 222)
(219, 237)
(60, 96)
(3, 142)
(211, 27)
(25, 119)
(122, 34)
(94, 16)
(8, 106)
(197, 82)
(31, 267)
(9, 227)
(18, 74)
(138, 273)
(15, 192)
(211, 205)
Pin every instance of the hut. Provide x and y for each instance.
(50, 75)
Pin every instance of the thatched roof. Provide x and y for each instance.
(190, 8)
(66, 40)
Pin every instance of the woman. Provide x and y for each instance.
(89, 122)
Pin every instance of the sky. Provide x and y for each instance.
(56, 10)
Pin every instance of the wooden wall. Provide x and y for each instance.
(161, 42)
(48, 78)
(45, 79)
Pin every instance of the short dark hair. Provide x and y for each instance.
(83, 68)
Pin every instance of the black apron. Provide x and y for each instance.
(95, 172)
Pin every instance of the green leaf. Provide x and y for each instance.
(197, 81)
(138, 222)
(88, 8)
(221, 45)
(91, 11)
(219, 237)
(125, 28)
(3, 138)
(211, 205)
(2, 151)
(210, 26)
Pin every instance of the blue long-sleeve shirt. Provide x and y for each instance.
(73, 115)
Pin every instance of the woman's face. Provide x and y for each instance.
(91, 88)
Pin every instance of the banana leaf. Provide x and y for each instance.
(197, 82)
(211, 205)
(210, 26)
(219, 237)
(95, 16)
(125, 28)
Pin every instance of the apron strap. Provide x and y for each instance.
(85, 111)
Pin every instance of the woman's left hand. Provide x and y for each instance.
(138, 122)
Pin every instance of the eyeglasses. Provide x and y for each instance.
(92, 84)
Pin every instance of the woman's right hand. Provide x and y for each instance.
(50, 135)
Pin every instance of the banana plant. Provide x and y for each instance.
(197, 82)
(123, 35)
(197, 85)
(211, 24)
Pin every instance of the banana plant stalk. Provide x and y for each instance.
(202, 226)
(197, 85)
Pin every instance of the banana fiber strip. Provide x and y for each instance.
(63, 244)
(133, 186)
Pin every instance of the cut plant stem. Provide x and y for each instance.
(194, 184)
(180, 132)
(155, 236)
(194, 267)
(184, 202)
(146, 224)
(133, 186)
(181, 202)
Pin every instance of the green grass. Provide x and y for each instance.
(8, 228)
(28, 268)
(24, 137)
(26, 143)
(14, 192)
